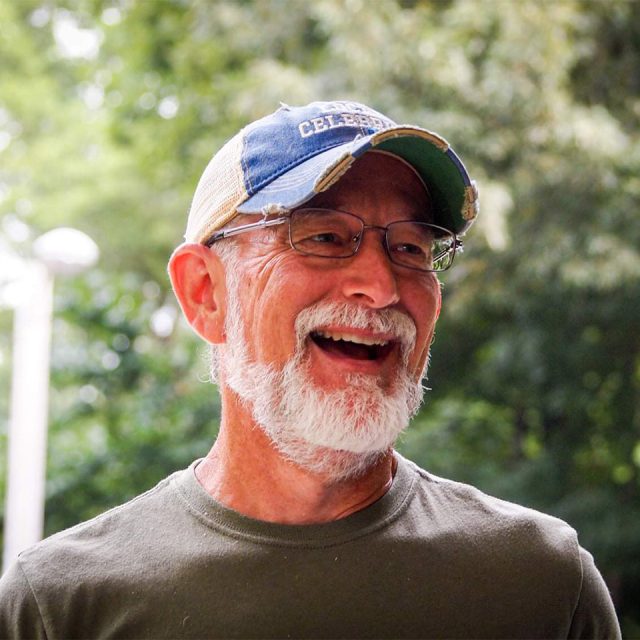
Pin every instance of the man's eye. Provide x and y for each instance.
(329, 238)
(411, 249)
(326, 237)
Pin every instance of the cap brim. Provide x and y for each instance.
(454, 194)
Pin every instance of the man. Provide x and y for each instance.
(313, 244)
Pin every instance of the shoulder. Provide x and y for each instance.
(116, 522)
(101, 560)
(97, 547)
(463, 503)
(513, 549)
(495, 532)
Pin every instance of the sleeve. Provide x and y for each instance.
(594, 616)
(19, 612)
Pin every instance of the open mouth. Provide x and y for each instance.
(348, 345)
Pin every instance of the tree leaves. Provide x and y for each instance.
(536, 365)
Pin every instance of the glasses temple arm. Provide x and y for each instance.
(227, 233)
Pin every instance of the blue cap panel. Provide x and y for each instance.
(283, 140)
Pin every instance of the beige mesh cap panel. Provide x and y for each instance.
(220, 190)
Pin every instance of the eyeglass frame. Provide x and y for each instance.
(456, 246)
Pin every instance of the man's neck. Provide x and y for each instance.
(245, 472)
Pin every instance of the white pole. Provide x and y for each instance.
(61, 251)
(24, 511)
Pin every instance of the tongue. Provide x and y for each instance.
(347, 349)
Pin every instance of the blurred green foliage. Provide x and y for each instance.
(109, 111)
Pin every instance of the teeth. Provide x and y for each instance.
(349, 337)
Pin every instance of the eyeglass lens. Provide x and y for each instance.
(337, 234)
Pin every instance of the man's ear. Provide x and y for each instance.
(197, 277)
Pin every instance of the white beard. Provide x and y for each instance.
(340, 433)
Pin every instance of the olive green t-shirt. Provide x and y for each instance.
(430, 559)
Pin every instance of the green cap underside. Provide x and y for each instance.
(440, 174)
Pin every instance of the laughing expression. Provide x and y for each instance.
(277, 284)
(348, 344)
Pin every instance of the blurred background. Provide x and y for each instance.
(109, 111)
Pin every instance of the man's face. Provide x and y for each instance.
(278, 283)
(316, 344)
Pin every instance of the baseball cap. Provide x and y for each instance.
(284, 159)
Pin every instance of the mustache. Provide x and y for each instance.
(391, 321)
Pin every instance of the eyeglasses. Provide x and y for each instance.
(327, 233)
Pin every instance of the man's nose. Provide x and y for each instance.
(370, 277)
